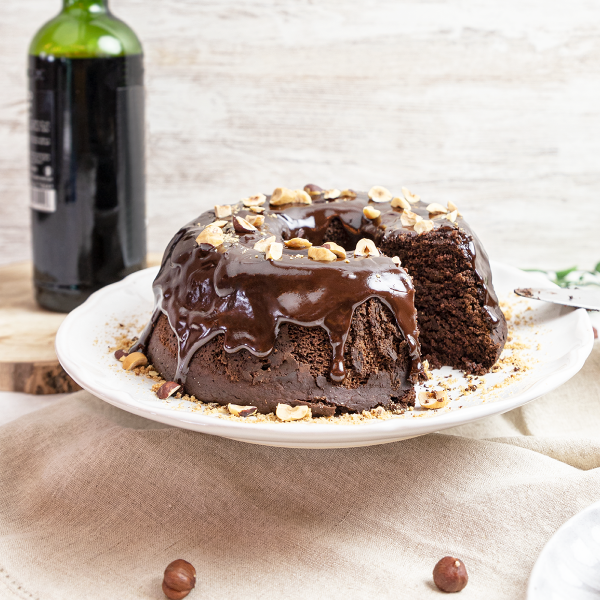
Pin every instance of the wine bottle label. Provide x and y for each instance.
(42, 150)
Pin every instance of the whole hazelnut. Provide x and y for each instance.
(450, 574)
(180, 579)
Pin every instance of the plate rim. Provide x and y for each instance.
(307, 434)
(538, 566)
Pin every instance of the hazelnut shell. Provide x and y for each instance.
(179, 579)
(450, 574)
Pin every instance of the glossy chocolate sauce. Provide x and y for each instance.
(233, 290)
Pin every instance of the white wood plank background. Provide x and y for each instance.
(494, 105)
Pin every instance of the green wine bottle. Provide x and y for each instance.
(86, 91)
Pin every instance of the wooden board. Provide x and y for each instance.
(28, 362)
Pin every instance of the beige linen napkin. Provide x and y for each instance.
(95, 502)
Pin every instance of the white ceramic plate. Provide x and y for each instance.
(560, 339)
(568, 567)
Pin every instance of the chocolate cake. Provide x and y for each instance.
(299, 298)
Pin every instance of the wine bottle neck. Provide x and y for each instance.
(86, 6)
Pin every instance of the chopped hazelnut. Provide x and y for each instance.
(380, 194)
(366, 247)
(348, 194)
(241, 411)
(285, 412)
(167, 389)
(302, 197)
(331, 194)
(222, 211)
(452, 216)
(321, 254)
(370, 212)
(211, 235)
(133, 360)
(255, 200)
(120, 354)
(423, 226)
(313, 190)
(283, 196)
(242, 226)
(263, 245)
(219, 223)
(435, 209)
(400, 203)
(452, 207)
(412, 198)
(256, 209)
(409, 218)
(274, 252)
(297, 243)
(396, 261)
(337, 250)
(433, 399)
(256, 220)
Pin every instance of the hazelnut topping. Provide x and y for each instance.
(380, 194)
(313, 190)
(263, 245)
(433, 399)
(222, 211)
(321, 254)
(297, 243)
(211, 235)
(366, 247)
(423, 226)
(167, 389)
(412, 198)
(370, 212)
(435, 209)
(400, 203)
(332, 194)
(274, 252)
(241, 411)
(409, 218)
(242, 226)
(337, 250)
(133, 360)
(452, 207)
(256, 220)
(285, 412)
(255, 200)
(283, 196)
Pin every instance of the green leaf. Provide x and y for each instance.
(563, 274)
(597, 268)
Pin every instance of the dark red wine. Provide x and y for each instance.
(87, 175)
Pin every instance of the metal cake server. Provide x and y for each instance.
(579, 297)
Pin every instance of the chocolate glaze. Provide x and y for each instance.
(233, 290)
